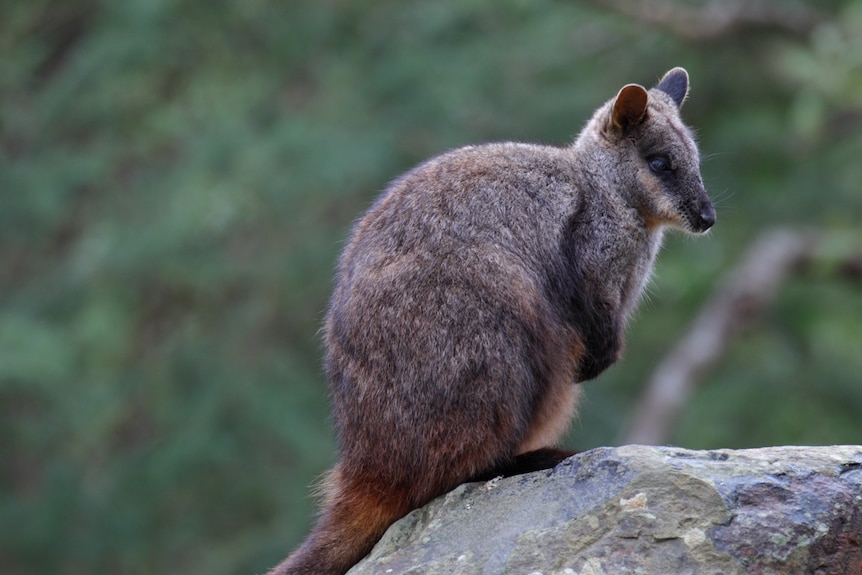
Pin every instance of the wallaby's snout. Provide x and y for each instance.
(698, 213)
(706, 217)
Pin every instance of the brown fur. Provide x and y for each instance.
(474, 295)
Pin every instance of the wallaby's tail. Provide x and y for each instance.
(355, 515)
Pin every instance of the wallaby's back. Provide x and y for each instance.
(472, 297)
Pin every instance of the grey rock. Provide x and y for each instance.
(650, 510)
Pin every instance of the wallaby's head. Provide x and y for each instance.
(641, 134)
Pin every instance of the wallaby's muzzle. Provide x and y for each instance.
(705, 219)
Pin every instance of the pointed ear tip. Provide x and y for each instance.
(631, 89)
(678, 73)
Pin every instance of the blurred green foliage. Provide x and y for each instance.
(177, 178)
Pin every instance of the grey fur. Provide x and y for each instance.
(476, 292)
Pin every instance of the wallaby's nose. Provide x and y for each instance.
(707, 217)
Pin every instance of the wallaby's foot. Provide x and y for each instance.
(545, 458)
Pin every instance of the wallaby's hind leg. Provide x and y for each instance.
(355, 515)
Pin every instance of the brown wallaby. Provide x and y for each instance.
(475, 294)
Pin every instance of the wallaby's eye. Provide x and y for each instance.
(659, 164)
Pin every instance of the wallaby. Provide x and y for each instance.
(474, 295)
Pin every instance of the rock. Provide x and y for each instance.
(638, 509)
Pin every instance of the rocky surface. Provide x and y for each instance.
(638, 509)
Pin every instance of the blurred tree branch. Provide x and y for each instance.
(735, 305)
(718, 18)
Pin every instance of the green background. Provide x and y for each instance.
(178, 177)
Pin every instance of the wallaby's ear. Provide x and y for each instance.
(629, 107)
(675, 85)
